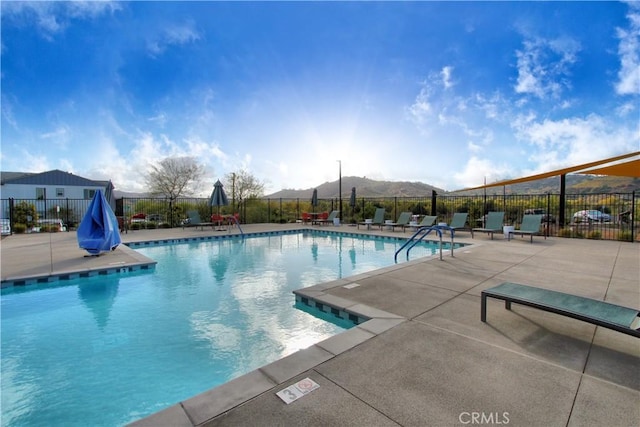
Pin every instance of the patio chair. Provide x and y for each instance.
(493, 225)
(193, 220)
(329, 219)
(427, 221)
(317, 219)
(530, 227)
(403, 221)
(378, 219)
(600, 313)
(459, 221)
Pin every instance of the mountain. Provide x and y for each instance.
(575, 184)
(364, 188)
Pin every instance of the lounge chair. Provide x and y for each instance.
(193, 220)
(306, 217)
(530, 226)
(600, 313)
(329, 219)
(459, 221)
(493, 225)
(427, 221)
(378, 219)
(403, 221)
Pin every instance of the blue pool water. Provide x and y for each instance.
(108, 350)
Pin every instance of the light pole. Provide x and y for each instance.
(340, 185)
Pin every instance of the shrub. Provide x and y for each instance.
(19, 228)
(565, 232)
(595, 235)
(165, 225)
(625, 235)
(151, 226)
(135, 226)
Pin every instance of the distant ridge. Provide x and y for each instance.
(575, 184)
(364, 188)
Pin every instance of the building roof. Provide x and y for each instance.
(52, 177)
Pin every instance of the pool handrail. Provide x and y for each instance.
(235, 219)
(420, 234)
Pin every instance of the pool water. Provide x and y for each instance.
(108, 350)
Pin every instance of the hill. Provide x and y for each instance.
(364, 188)
(575, 184)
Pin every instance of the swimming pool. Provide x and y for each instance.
(108, 350)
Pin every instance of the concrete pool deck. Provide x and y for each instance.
(426, 358)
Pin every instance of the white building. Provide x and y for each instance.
(47, 189)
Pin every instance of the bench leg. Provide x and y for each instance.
(507, 305)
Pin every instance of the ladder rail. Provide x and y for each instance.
(237, 223)
(419, 236)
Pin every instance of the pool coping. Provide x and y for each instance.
(139, 263)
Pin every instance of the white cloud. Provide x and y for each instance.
(629, 51)
(421, 108)
(559, 143)
(53, 18)
(476, 171)
(175, 35)
(446, 77)
(543, 66)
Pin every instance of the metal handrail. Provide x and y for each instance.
(420, 234)
(238, 224)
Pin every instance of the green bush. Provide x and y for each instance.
(565, 232)
(135, 226)
(595, 235)
(625, 236)
(19, 228)
(151, 226)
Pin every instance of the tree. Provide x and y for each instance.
(174, 177)
(243, 186)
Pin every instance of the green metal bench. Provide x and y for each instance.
(600, 313)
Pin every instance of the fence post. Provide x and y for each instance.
(633, 216)
(11, 209)
(66, 219)
(434, 197)
(171, 219)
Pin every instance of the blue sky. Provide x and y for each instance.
(446, 93)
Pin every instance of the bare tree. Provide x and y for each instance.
(174, 177)
(243, 186)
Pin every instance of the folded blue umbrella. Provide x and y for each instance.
(98, 230)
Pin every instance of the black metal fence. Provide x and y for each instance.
(616, 217)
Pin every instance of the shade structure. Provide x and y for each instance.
(98, 231)
(218, 197)
(563, 171)
(629, 169)
(314, 198)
